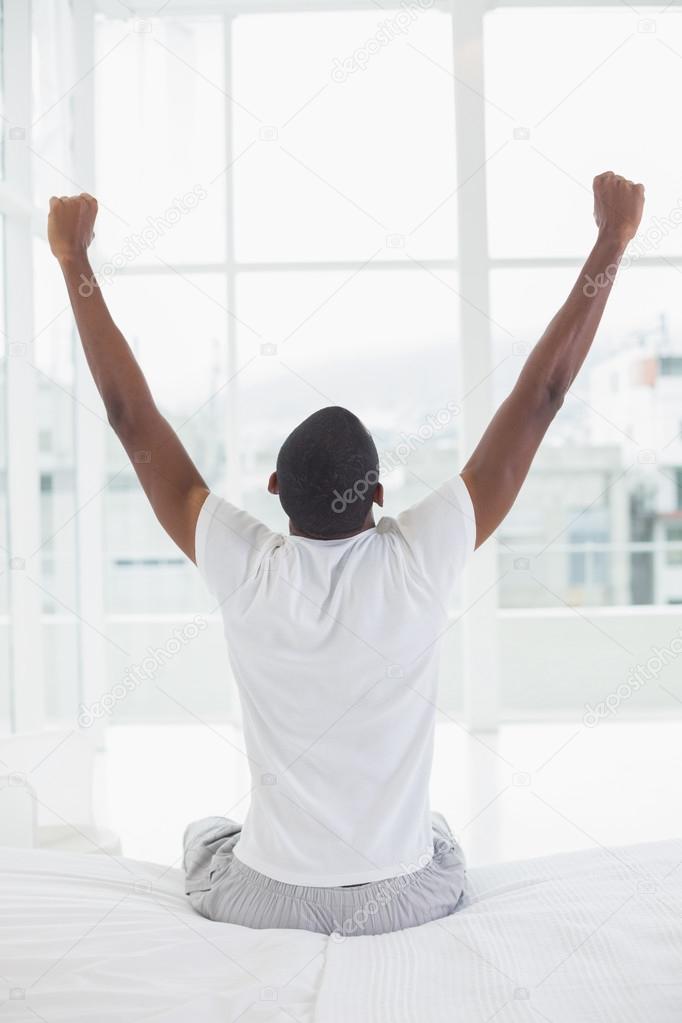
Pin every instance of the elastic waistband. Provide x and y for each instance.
(353, 895)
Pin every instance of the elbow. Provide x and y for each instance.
(116, 413)
(555, 394)
(543, 397)
(120, 417)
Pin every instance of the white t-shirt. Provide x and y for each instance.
(334, 646)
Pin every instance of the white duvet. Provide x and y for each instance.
(104, 940)
(589, 937)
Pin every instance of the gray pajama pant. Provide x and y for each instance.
(221, 887)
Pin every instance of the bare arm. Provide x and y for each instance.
(170, 480)
(495, 472)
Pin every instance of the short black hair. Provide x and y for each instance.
(327, 472)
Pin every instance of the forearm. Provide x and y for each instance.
(555, 361)
(499, 465)
(168, 475)
(115, 370)
(495, 472)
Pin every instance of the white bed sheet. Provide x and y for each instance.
(112, 941)
(589, 937)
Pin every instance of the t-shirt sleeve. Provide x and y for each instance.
(229, 545)
(440, 531)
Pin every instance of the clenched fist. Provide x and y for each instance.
(70, 225)
(618, 206)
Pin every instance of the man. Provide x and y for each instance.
(333, 630)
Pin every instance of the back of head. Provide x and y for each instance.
(327, 473)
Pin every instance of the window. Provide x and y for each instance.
(2, 90)
(5, 674)
(56, 559)
(539, 172)
(161, 94)
(674, 556)
(621, 415)
(341, 161)
(325, 178)
(589, 536)
(278, 230)
(57, 554)
(177, 329)
(286, 284)
(383, 332)
(671, 366)
(53, 79)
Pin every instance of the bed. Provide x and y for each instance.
(575, 938)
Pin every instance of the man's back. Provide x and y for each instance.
(334, 645)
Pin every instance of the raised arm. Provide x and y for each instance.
(499, 465)
(170, 480)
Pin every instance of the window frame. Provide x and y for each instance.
(23, 221)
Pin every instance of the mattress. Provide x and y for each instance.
(575, 938)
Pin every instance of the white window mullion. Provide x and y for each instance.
(232, 416)
(479, 623)
(22, 390)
